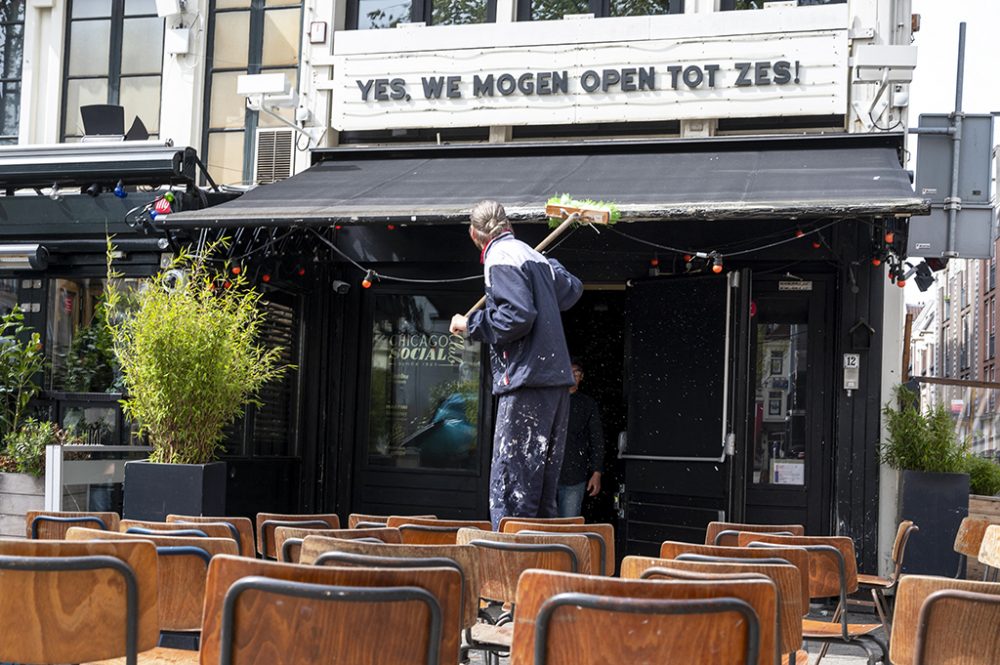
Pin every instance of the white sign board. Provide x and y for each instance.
(738, 65)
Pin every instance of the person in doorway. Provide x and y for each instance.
(525, 293)
(583, 461)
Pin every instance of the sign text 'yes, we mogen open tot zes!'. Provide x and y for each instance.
(625, 79)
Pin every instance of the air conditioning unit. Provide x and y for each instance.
(274, 151)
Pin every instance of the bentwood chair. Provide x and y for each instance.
(268, 522)
(968, 541)
(833, 573)
(540, 520)
(202, 530)
(288, 539)
(724, 533)
(601, 537)
(397, 616)
(52, 525)
(989, 552)
(364, 521)
(940, 620)
(880, 586)
(786, 577)
(182, 567)
(242, 529)
(426, 531)
(565, 619)
(72, 602)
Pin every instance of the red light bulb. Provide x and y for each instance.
(654, 262)
(799, 233)
(301, 272)
(890, 237)
(901, 283)
(876, 261)
(265, 278)
(817, 244)
(391, 227)
(237, 270)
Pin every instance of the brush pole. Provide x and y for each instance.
(540, 247)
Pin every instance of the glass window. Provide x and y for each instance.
(11, 58)
(458, 12)
(375, 14)
(424, 408)
(111, 42)
(550, 10)
(779, 431)
(264, 39)
(643, 7)
(730, 5)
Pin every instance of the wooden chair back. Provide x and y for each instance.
(268, 522)
(182, 567)
(563, 619)
(319, 550)
(369, 521)
(425, 531)
(504, 556)
(724, 533)
(786, 577)
(53, 524)
(989, 549)
(209, 529)
(540, 520)
(289, 539)
(795, 556)
(313, 615)
(601, 537)
(934, 616)
(970, 536)
(242, 530)
(833, 568)
(81, 611)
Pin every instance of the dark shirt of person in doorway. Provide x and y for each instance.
(583, 460)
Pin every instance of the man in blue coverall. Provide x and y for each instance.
(525, 293)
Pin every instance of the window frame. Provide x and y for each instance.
(421, 11)
(599, 8)
(251, 119)
(114, 77)
(7, 139)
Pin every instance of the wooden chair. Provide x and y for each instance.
(878, 586)
(540, 520)
(361, 520)
(319, 550)
(601, 536)
(288, 539)
(940, 620)
(52, 525)
(989, 552)
(242, 530)
(425, 531)
(73, 602)
(786, 577)
(833, 573)
(968, 540)
(202, 530)
(268, 522)
(724, 533)
(580, 619)
(349, 615)
(182, 567)
(502, 559)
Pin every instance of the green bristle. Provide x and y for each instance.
(566, 200)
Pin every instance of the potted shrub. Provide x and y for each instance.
(186, 342)
(934, 483)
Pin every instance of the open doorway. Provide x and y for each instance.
(595, 333)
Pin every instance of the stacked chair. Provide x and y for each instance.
(53, 525)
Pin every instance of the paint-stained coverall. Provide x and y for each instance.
(525, 293)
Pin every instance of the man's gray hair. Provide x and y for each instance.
(488, 219)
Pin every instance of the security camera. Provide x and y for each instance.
(341, 287)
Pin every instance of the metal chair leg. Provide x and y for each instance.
(883, 609)
(826, 645)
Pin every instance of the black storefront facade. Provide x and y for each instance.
(722, 392)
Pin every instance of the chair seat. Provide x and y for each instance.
(488, 634)
(801, 658)
(813, 629)
(157, 656)
(873, 580)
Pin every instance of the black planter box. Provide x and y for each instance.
(153, 491)
(937, 503)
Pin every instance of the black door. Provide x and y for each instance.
(686, 356)
(789, 462)
(422, 446)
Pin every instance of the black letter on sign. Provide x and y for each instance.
(481, 87)
(453, 91)
(506, 84)
(628, 79)
(761, 73)
(590, 80)
(381, 90)
(782, 72)
(560, 82)
(647, 78)
(693, 76)
(365, 88)
(711, 69)
(611, 77)
(675, 71)
(397, 88)
(743, 79)
(433, 86)
(526, 84)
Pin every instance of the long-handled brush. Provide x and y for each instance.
(565, 212)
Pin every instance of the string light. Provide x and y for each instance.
(655, 261)
(876, 261)
(237, 270)
(367, 281)
(120, 190)
(717, 264)
(266, 278)
(890, 237)
(799, 233)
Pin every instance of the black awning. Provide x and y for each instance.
(717, 179)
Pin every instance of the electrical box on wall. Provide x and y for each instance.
(177, 41)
